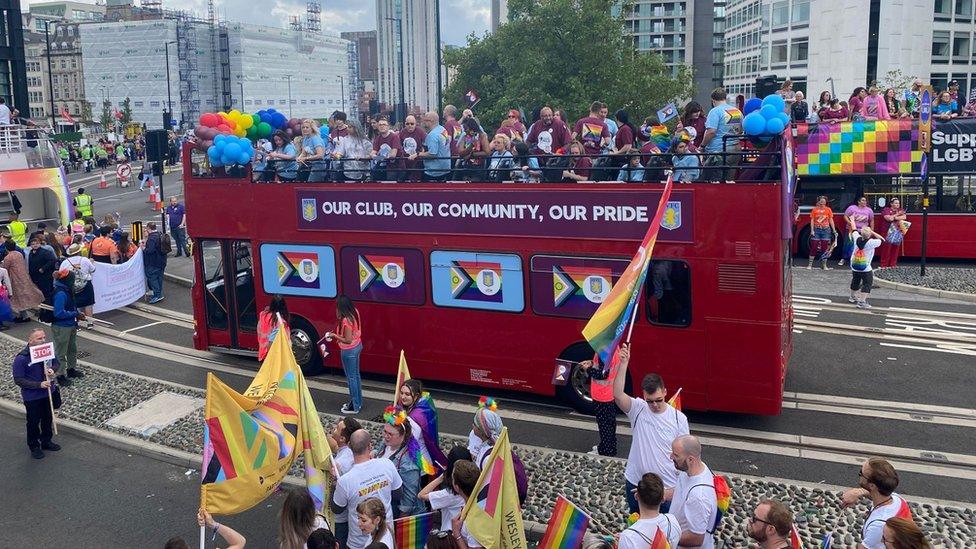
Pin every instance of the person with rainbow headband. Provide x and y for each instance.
(422, 414)
(485, 430)
(406, 454)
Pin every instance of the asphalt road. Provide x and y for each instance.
(93, 495)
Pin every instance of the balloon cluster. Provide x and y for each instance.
(228, 150)
(765, 117)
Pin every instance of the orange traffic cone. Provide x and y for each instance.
(152, 193)
(102, 184)
(159, 204)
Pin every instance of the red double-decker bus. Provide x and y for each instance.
(490, 284)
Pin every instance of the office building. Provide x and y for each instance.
(415, 64)
(499, 14)
(837, 45)
(13, 67)
(685, 33)
(67, 74)
(366, 66)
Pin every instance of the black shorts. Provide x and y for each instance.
(862, 281)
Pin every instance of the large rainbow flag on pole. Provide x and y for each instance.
(251, 440)
(606, 328)
(567, 526)
(411, 532)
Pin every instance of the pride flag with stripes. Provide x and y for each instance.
(607, 325)
(675, 401)
(411, 532)
(566, 528)
(660, 541)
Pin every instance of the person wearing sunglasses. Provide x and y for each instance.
(770, 525)
(655, 425)
(650, 493)
(877, 481)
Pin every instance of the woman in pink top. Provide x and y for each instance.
(347, 335)
(873, 106)
(894, 236)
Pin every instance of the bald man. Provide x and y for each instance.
(368, 478)
(548, 135)
(437, 156)
(412, 138)
(693, 500)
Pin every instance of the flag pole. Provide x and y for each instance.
(50, 397)
(203, 537)
(588, 514)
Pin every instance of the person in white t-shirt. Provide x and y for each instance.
(339, 442)
(465, 477)
(440, 494)
(4, 112)
(877, 480)
(372, 522)
(650, 493)
(693, 501)
(367, 478)
(655, 424)
(770, 525)
(862, 254)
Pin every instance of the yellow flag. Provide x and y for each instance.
(403, 374)
(492, 513)
(250, 440)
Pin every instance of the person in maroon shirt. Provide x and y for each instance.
(549, 134)
(472, 148)
(579, 168)
(516, 119)
(855, 102)
(623, 142)
(412, 139)
(391, 151)
(693, 117)
(510, 130)
(453, 127)
(338, 127)
(592, 131)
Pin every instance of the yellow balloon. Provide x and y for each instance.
(235, 113)
(239, 132)
(246, 121)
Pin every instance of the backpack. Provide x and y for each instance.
(165, 243)
(723, 496)
(81, 280)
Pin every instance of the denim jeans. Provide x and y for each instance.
(179, 235)
(154, 279)
(350, 365)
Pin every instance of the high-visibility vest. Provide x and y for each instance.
(84, 203)
(18, 232)
(77, 226)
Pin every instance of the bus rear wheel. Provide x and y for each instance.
(303, 344)
(576, 391)
(803, 245)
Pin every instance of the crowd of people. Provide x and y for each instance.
(873, 103)
(548, 146)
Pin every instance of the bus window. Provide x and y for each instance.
(384, 275)
(474, 280)
(213, 275)
(571, 286)
(668, 293)
(298, 269)
(957, 194)
(247, 313)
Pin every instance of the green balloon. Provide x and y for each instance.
(264, 130)
(252, 132)
(256, 119)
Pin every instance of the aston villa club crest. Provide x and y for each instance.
(672, 215)
(596, 285)
(309, 211)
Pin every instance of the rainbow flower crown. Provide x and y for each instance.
(488, 402)
(394, 417)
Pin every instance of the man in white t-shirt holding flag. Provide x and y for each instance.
(877, 480)
(368, 478)
(655, 424)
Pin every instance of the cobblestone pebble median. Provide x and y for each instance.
(939, 278)
(593, 482)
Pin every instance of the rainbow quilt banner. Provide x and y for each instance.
(882, 146)
(300, 270)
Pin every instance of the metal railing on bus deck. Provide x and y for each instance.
(747, 165)
(26, 147)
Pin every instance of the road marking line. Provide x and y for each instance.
(940, 348)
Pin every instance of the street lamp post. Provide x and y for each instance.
(342, 92)
(288, 78)
(50, 77)
(241, 84)
(169, 96)
(403, 100)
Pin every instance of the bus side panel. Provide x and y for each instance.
(949, 236)
(744, 375)
(677, 355)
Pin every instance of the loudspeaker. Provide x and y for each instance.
(766, 85)
(157, 145)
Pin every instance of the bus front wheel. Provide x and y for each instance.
(576, 391)
(303, 344)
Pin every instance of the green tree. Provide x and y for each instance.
(895, 79)
(564, 53)
(126, 111)
(86, 113)
(107, 120)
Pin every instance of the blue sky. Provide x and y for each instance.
(458, 17)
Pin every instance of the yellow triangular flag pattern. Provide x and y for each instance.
(492, 513)
(251, 440)
(403, 374)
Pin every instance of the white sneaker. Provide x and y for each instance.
(840, 263)
(593, 452)
(863, 305)
(851, 300)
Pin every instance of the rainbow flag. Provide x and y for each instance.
(607, 325)
(660, 541)
(723, 497)
(425, 414)
(411, 532)
(567, 526)
(675, 401)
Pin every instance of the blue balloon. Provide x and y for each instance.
(324, 132)
(785, 118)
(753, 124)
(213, 153)
(769, 111)
(232, 150)
(271, 110)
(776, 101)
(243, 158)
(752, 105)
(266, 117)
(774, 126)
(220, 138)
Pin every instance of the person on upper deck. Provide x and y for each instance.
(437, 156)
(592, 131)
